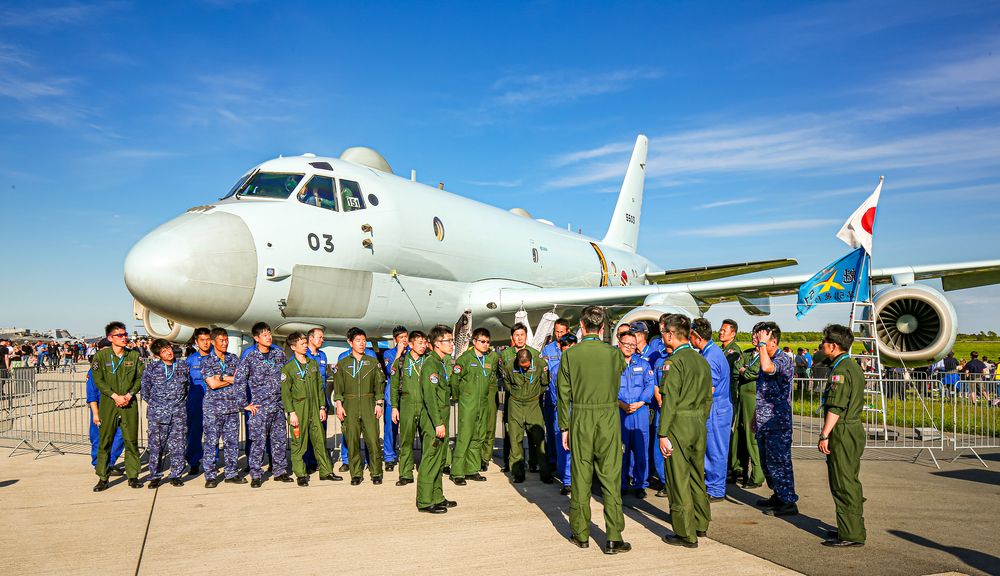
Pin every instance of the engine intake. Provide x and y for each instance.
(916, 324)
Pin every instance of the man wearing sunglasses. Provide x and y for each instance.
(118, 375)
(472, 377)
(435, 399)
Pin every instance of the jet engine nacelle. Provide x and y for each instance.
(650, 314)
(159, 327)
(916, 324)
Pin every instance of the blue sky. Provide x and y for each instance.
(768, 123)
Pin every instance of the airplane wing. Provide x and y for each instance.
(752, 293)
(703, 273)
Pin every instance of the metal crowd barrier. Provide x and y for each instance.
(975, 413)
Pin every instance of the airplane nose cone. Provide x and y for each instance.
(199, 268)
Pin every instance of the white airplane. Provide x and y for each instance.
(308, 241)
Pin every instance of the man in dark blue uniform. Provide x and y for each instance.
(196, 399)
(773, 420)
(164, 388)
(551, 353)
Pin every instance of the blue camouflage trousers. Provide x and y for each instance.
(264, 426)
(226, 426)
(172, 437)
(776, 459)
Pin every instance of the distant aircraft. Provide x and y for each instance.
(310, 241)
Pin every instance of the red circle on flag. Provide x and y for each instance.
(868, 220)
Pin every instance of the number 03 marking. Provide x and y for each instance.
(315, 244)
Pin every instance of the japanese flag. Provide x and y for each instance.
(857, 231)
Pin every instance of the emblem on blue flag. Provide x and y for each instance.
(846, 280)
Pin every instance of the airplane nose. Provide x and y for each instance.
(199, 268)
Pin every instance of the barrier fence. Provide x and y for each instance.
(44, 413)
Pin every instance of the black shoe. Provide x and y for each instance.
(390, 466)
(115, 471)
(344, 468)
(433, 509)
(483, 467)
(355, 481)
(377, 480)
(838, 543)
(212, 483)
(565, 491)
(616, 547)
(655, 484)
(302, 481)
(770, 502)
(579, 544)
(662, 493)
(752, 485)
(518, 479)
(194, 470)
(716, 499)
(547, 480)
(101, 486)
(447, 503)
(235, 480)
(332, 477)
(311, 469)
(134, 483)
(532, 469)
(153, 484)
(640, 494)
(673, 540)
(446, 470)
(477, 477)
(283, 478)
(730, 479)
(176, 482)
(700, 533)
(255, 483)
(783, 510)
(404, 481)
(505, 469)
(833, 535)
(458, 481)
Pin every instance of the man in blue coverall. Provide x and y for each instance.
(655, 353)
(93, 400)
(196, 398)
(401, 338)
(634, 395)
(343, 445)
(314, 340)
(551, 354)
(720, 419)
(562, 457)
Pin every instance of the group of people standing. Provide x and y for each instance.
(654, 412)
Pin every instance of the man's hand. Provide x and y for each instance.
(395, 415)
(624, 407)
(322, 414)
(439, 431)
(665, 447)
(378, 411)
(565, 440)
(824, 446)
(293, 419)
(341, 414)
(252, 408)
(127, 398)
(117, 399)
(635, 406)
(763, 337)
(97, 420)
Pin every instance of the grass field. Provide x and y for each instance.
(988, 348)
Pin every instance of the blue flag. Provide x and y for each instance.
(846, 280)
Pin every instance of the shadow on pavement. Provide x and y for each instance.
(555, 507)
(979, 560)
(981, 475)
(801, 521)
(6, 483)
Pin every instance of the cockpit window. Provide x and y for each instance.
(350, 195)
(270, 185)
(318, 191)
(239, 184)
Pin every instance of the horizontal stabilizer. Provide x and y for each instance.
(702, 273)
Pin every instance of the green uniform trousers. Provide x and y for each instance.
(468, 441)
(489, 425)
(432, 461)
(526, 418)
(361, 420)
(595, 444)
(113, 418)
(743, 450)
(409, 420)
(843, 464)
(689, 506)
(310, 430)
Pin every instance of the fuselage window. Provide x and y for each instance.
(318, 191)
(270, 185)
(350, 196)
(438, 229)
(534, 255)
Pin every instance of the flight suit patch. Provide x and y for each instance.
(836, 378)
(129, 363)
(457, 369)
(282, 376)
(434, 378)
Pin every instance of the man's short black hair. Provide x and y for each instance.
(201, 330)
(518, 326)
(523, 355)
(216, 332)
(398, 330)
(158, 345)
(567, 340)
(417, 334)
(679, 324)
(731, 323)
(702, 327)
(112, 326)
(561, 322)
(772, 326)
(259, 328)
(839, 335)
(480, 332)
(626, 333)
(592, 318)
(353, 332)
(294, 338)
(440, 331)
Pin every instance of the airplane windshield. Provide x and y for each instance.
(269, 185)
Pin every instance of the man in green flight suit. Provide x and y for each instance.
(744, 454)
(472, 377)
(305, 406)
(588, 383)
(435, 408)
(687, 400)
(404, 390)
(518, 342)
(117, 373)
(843, 436)
(359, 387)
(525, 384)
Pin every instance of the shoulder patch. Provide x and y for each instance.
(434, 378)
(457, 369)
(836, 378)
(283, 376)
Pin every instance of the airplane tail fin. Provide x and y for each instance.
(623, 232)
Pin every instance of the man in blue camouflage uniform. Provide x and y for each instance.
(196, 398)
(164, 388)
(260, 371)
(224, 402)
(314, 340)
(246, 415)
(562, 460)
(635, 392)
(720, 418)
(401, 339)
(551, 354)
(773, 420)
(94, 400)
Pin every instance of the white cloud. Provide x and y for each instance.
(738, 230)
(564, 86)
(723, 203)
(46, 18)
(496, 183)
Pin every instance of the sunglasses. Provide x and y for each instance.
(118, 335)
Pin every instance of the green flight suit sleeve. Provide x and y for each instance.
(137, 377)
(563, 391)
(286, 388)
(458, 375)
(100, 378)
(752, 368)
(316, 381)
(394, 375)
(670, 393)
(839, 387)
(339, 382)
(379, 383)
(429, 378)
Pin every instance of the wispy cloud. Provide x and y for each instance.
(722, 203)
(49, 17)
(738, 230)
(234, 100)
(495, 183)
(564, 86)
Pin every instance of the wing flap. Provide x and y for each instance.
(704, 273)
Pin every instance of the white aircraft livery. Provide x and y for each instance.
(308, 241)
